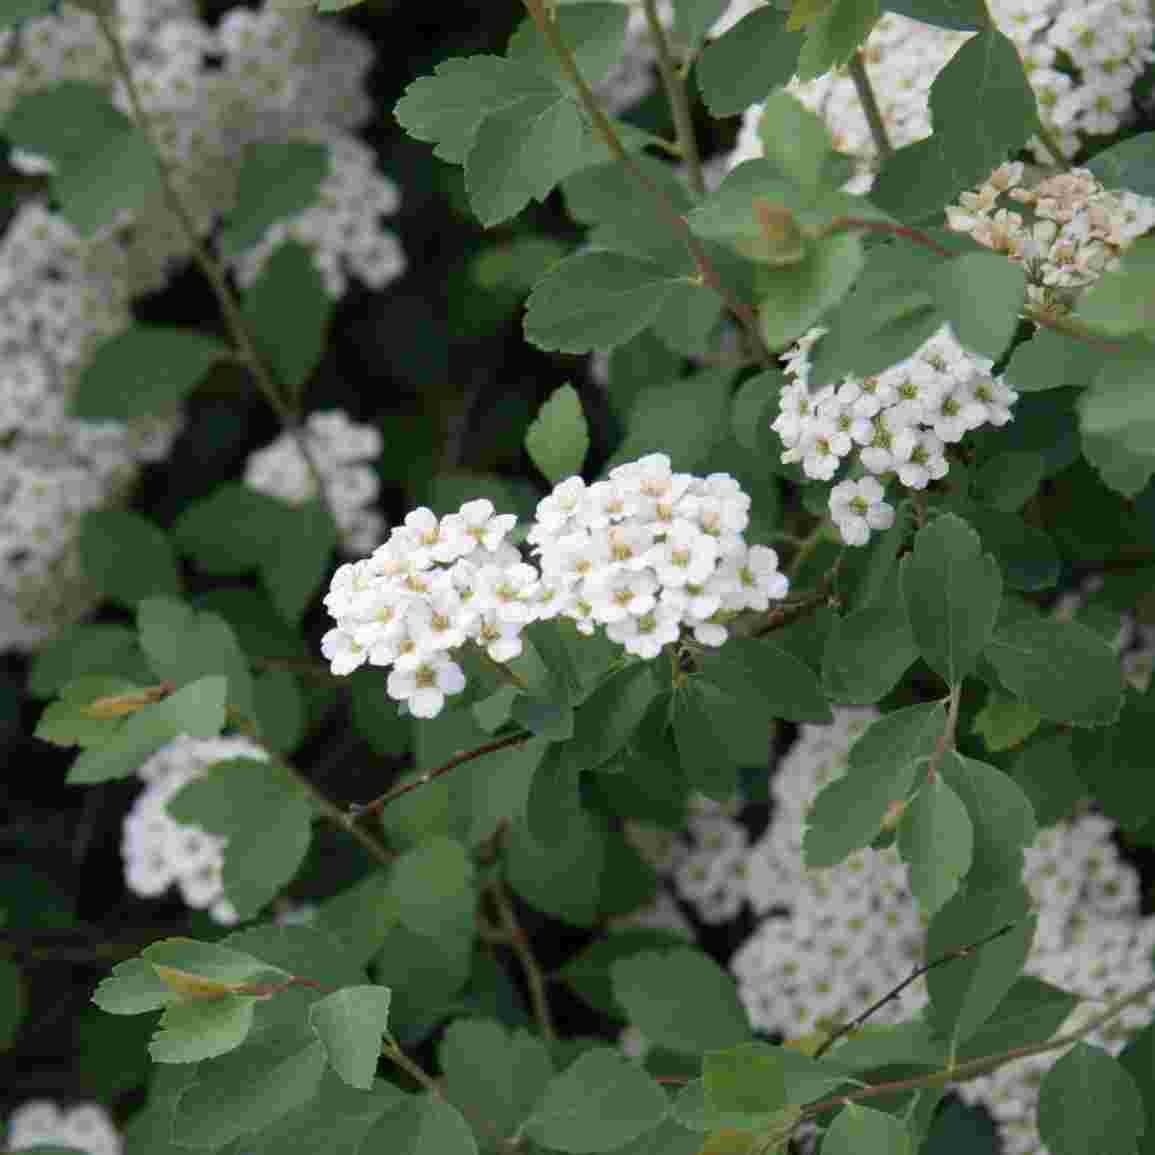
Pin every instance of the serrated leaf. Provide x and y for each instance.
(595, 300)
(266, 817)
(600, 1103)
(794, 139)
(197, 709)
(147, 369)
(288, 310)
(965, 992)
(863, 1131)
(126, 557)
(1066, 671)
(652, 987)
(742, 65)
(1050, 360)
(592, 32)
(447, 107)
(767, 679)
(936, 839)
(350, 1023)
(1088, 1103)
(190, 1032)
(952, 593)
(277, 179)
(102, 164)
(558, 438)
(424, 1125)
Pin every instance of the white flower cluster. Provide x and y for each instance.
(86, 1127)
(158, 851)
(834, 939)
(1082, 59)
(643, 554)
(343, 451)
(648, 552)
(1074, 229)
(432, 587)
(899, 421)
(60, 296)
(707, 866)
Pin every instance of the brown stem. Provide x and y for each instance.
(866, 225)
(962, 1072)
(950, 956)
(246, 348)
(872, 112)
(396, 1055)
(708, 273)
(378, 804)
(675, 86)
(534, 976)
(945, 741)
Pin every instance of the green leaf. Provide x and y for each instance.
(559, 437)
(743, 64)
(562, 879)
(1005, 722)
(1118, 415)
(243, 1092)
(280, 708)
(600, 1103)
(863, 1131)
(595, 300)
(1066, 671)
(71, 721)
(1138, 1060)
(1088, 1103)
(266, 816)
(447, 107)
(96, 648)
(127, 557)
(231, 531)
(952, 593)
(792, 298)
(593, 32)
(433, 885)
(866, 654)
(767, 679)
(652, 987)
(832, 38)
(981, 294)
(1130, 164)
(1031, 1011)
(499, 792)
(1122, 468)
(197, 709)
(1027, 557)
(147, 369)
(12, 1002)
(1045, 771)
(982, 109)
(794, 139)
(698, 726)
(966, 991)
(493, 1075)
(182, 644)
(963, 15)
(608, 718)
(684, 419)
(194, 1031)
(1050, 360)
(1008, 481)
(1122, 301)
(288, 312)
(746, 1084)
(300, 560)
(588, 973)
(694, 18)
(17, 10)
(278, 179)
(350, 1023)
(522, 151)
(935, 839)
(1002, 816)
(885, 319)
(425, 1125)
(102, 163)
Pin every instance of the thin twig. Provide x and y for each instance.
(378, 804)
(866, 225)
(396, 1055)
(945, 741)
(709, 275)
(870, 109)
(963, 1072)
(534, 976)
(950, 956)
(675, 86)
(230, 309)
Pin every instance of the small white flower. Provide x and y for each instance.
(425, 686)
(857, 508)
